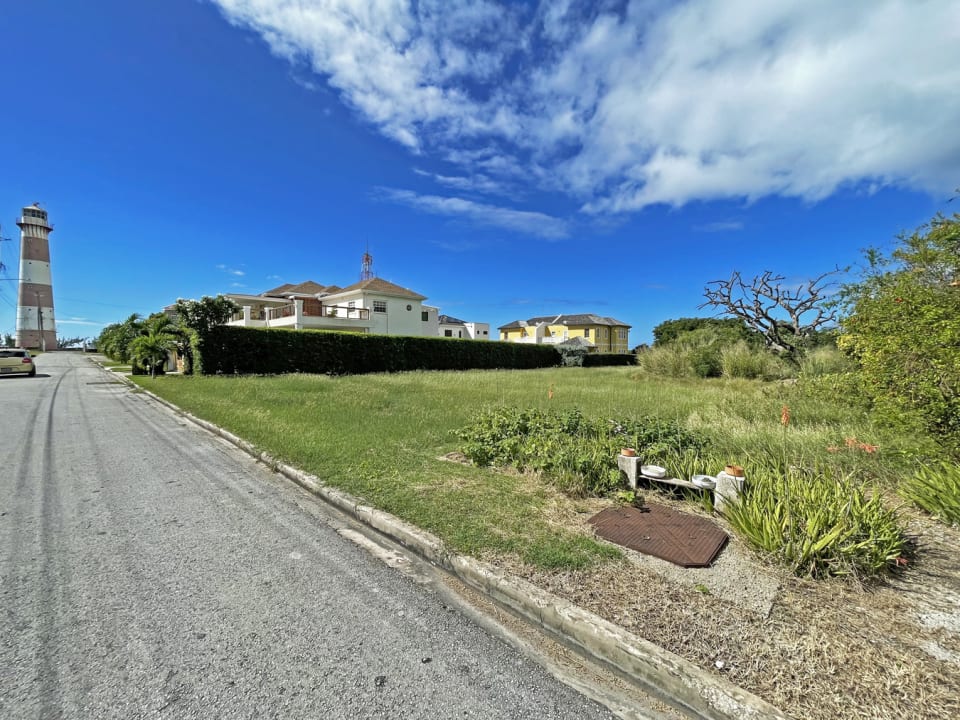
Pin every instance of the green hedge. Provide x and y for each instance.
(228, 350)
(606, 359)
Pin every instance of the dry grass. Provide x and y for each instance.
(827, 650)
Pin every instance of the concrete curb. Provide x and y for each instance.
(660, 672)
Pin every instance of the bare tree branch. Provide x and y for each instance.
(784, 316)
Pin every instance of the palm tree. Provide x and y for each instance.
(158, 338)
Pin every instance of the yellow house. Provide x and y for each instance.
(599, 334)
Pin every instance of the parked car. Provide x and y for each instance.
(16, 360)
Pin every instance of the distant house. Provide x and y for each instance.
(595, 332)
(369, 306)
(449, 326)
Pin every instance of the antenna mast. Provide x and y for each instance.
(366, 266)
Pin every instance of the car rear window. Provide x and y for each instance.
(13, 353)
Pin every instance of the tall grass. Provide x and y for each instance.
(379, 437)
(936, 489)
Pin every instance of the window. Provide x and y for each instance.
(425, 316)
(623, 334)
(409, 308)
(586, 333)
(448, 333)
(352, 304)
(380, 306)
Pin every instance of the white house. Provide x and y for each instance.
(369, 306)
(449, 326)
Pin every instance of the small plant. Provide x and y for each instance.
(819, 523)
(701, 588)
(936, 489)
(629, 498)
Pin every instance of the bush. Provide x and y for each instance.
(740, 360)
(228, 349)
(936, 489)
(579, 455)
(818, 523)
(903, 327)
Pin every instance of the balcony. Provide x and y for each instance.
(306, 314)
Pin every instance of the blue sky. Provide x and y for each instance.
(505, 159)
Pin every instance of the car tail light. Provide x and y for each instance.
(27, 361)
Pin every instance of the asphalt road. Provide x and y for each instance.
(148, 570)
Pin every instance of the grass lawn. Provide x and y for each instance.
(380, 437)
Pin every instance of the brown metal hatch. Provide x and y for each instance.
(685, 540)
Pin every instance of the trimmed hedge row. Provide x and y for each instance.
(607, 359)
(229, 349)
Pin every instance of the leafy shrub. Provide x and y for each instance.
(818, 522)
(903, 327)
(228, 349)
(578, 454)
(936, 489)
(572, 355)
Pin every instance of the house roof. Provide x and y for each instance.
(581, 319)
(385, 287)
(576, 341)
(576, 320)
(308, 287)
(450, 320)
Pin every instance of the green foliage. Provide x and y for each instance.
(741, 360)
(903, 327)
(9, 340)
(936, 489)
(818, 522)
(577, 454)
(824, 360)
(115, 339)
(197, 317)
(150, 349)
(731, 328)
(707, 353)
(206, 313)
(228, 350)
(571, 355)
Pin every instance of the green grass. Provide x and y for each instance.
(379, 437)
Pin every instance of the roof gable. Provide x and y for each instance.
(384, 287)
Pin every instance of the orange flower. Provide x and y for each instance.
(785, 416)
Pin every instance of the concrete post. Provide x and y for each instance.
(728, 490)
(298, 314)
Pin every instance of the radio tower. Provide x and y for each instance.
(366, 266)
(36, 327)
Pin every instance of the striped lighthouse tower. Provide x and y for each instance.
(36, 327)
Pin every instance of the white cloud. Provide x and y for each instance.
(79, 321)
(524, 221)
(625, 104)
(720, 226)
(231, 271)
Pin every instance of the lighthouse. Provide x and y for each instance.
(36, 326)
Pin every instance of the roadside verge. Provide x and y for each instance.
(678, 682)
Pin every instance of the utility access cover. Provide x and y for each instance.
(685, 540)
